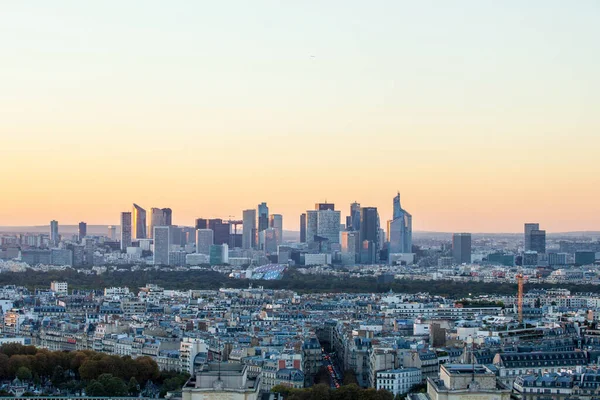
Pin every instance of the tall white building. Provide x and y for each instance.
(188, 350)
(162, 245)
(204, 239)
(59, 287)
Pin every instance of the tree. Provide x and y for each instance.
(24, 374)
(95, 388)
(133, 387)
(113, 386)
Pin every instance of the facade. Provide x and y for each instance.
(328, 225)
(400, 229)
(162, 245)
(221, 230)
(138, 215)
(398, 381)
(61, 257)
(82, 230)
(350, 247)
(312, 218)
(112, 232)
(159, 217)
(59, 287)
(276, 222)
(54, 237)
(125, 230)
(204, 239)
(303, 228)
(263, 217)
(201, 223)
(466, 381)
(461, 248)
(369, 231)
(189, 348)
(219, 254)
(249, 229)
(354, 221)
(529, 227)
(538, 241)
(216, 381)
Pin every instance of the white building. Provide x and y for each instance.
(398, 381)
(162, 244)
(188, 350)
(59, 287)
(204, 239)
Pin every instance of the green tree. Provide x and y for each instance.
(24, 374)
(95, 388)
(133, 387)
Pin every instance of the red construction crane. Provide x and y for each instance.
(519, 277)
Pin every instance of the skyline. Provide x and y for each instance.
(482, 114)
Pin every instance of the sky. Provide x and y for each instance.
(483, 114)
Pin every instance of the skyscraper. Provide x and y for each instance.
(369, 231)
(461, 248)
(528, 228)
(125, 230)
(201, 223)
(538, 241)
(350, 247)
(162, 244)
(312, 218)
(354, 217)
(269, 240)
(400, 229)
(139, 222)
(328, 225)
(302, 228)
(249, 229)
(159, 217)
(112, 232)
(324, 206)
(204, 239)
(263, 217)
(82, 231)
(276, 222)
(221, 230)
(54, 238)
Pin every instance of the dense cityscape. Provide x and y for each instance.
(246, 309)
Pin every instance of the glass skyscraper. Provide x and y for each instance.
(400, 229)
(139, 222)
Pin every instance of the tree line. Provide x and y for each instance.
(99, 374)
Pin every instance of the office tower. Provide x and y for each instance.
(204, 239)
(354, 217)
(82, 232)
(125, 230)
(162, 244)
(350, 247)
(54, 238)
(219, 254)
(220, 230)
(302, 228)
(276, 222)
(328, 225)
(537, 240)
(159, 217)
(348, 226)
(263, 217)
(324, 206)
(367, 251)
(112, 232)
(400, 229)
(269, 240)
(369, 230)
(201, 223)
(138, 215)
(528, 228)
(461, 248)
(249, 229)
(312, 218)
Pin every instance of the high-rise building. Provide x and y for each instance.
(54, 238)
(312, 218)
(159, 217)
(112, 232)
(461, 248)
(162, 244)
(328, 225)
(204, 239)
(125, 230)
(302, 228)
(324, 206)
(201, 223)
(219, 254)
(269, 240)
(82, 232)
(400, 229)
(354, 217)
(276, 222)
(139, 222)
(350, 247)
(538, 241)
(263, 217)
(529, 227)
(249, 229)
(369, 231)
(221, 230)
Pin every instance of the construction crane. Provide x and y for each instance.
(519, 277)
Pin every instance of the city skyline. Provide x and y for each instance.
(484, 113)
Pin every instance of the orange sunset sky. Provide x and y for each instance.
(483, 114)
